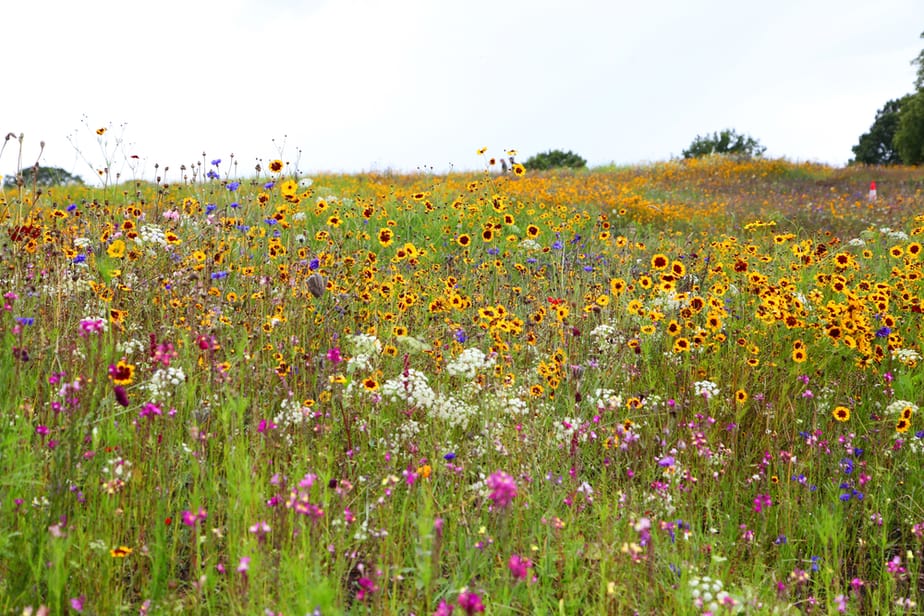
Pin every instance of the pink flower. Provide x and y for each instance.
(503, 489)
(444, 609)
(519, 566)
(243, 565)
(470, 602)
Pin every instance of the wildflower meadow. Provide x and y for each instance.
(689, 387)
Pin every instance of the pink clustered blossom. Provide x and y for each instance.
(503, 489)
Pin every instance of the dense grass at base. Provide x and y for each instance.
(687, 387)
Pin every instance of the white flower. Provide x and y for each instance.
(469, 363)
(706, 389)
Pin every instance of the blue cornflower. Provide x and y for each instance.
(72, 207)
(235, 204)
(25, 320)
(493, 251)
(460, 336)
(79, 259)
(780, 540)
(219, 275)
(270, 221)
(450, 456)
(883, 332)
(216, 162)
(210, 207)
(269, 185)
(232, 186)
(847, 466)
(557, 245)
(588, 268)
(212, 174)
(314, 264)
(532, 261)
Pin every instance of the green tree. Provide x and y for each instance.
(919, 80)
(909, 137)
(42, 176)
(555, 159)
(725, 142)
(877, 146)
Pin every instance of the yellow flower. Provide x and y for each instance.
(122, 373)
(275, 166)
(288, 188)
(120, 552)
(116, 249)
(841, 413)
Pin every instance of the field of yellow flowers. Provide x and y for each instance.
(690, 387)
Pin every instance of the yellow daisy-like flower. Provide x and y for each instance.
(841, 413)
(116, 249)
(275, 165)
(288, 188)
(519, 170)
(122, 373)
(120, 552)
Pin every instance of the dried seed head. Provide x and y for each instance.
(316, 284)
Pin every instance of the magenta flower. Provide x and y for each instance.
(470, 602)
(503, 489)
(333, 355)
(190, 518)
(519, 566)
(77, 603)
(444, 608)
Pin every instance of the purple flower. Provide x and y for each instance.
(77, 603)
(503, 489)
(333, 355)
(666, 461)
(232, 186)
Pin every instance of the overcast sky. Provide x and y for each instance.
(360, 85)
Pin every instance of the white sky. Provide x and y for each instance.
(359, 85)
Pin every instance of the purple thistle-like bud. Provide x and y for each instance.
(121, 395)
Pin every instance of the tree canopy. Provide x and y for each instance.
(876, 147)
(555, 159)
(42, 176)
(725, 142)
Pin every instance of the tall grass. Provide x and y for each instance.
(689, 387)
